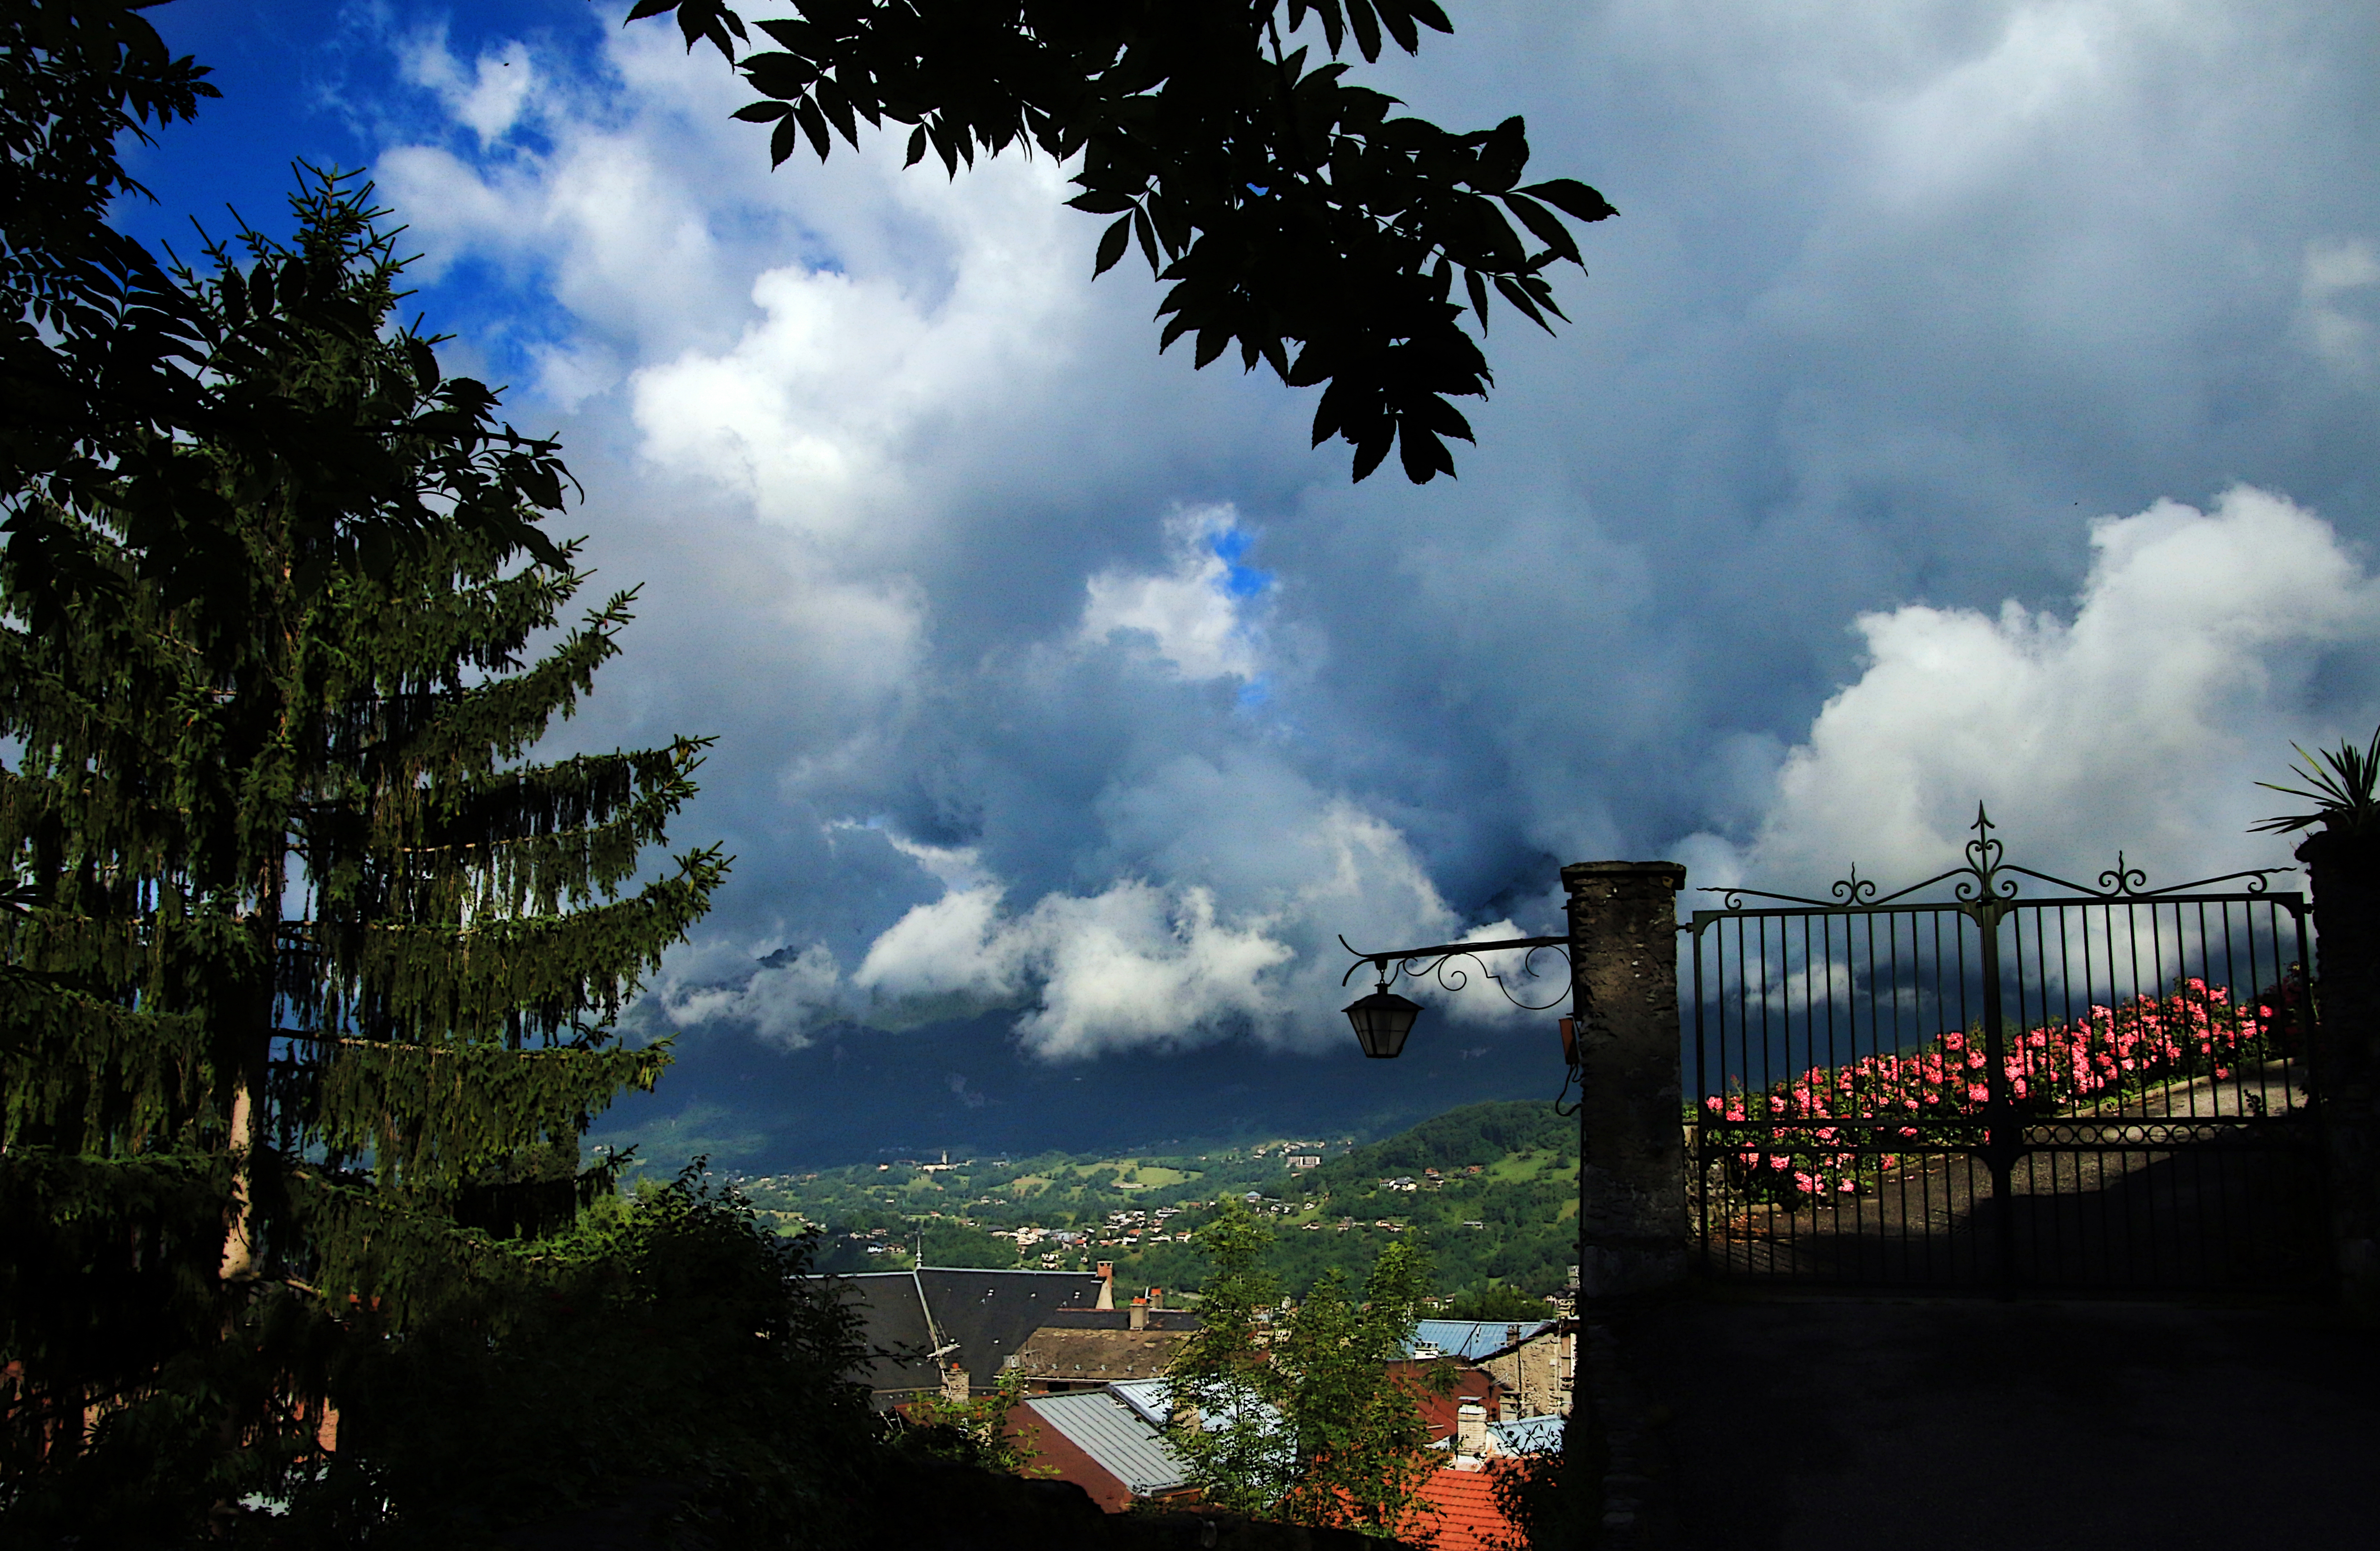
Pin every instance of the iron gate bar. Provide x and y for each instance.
(2153, 1160)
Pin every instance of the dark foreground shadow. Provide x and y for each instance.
(1817, 1424)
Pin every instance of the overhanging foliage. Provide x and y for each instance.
(1294, 216)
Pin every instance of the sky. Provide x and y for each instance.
(1973, 401)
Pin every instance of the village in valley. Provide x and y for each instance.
(1054, 1293)
(1490, 1188)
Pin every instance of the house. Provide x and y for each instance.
(1110, 1441)
(1531, 1359)
(1088, 1349)
(1442, 1413)
(946, 1330)
(1458, 1510)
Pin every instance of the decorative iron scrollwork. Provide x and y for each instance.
(1988, 878)
(1438, 963)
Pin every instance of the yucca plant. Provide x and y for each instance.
(2342, 791)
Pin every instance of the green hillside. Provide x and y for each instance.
(1490, 1188)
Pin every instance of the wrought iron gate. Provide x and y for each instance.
(2101, 1088)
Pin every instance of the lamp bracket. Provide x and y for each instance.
(1438, 963)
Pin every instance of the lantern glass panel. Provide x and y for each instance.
(1382, 1022)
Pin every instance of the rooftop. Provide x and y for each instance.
(913, 1322)
(1460, 1507)
(1120, 1439)
(1529, 1434)
(1075, 1354)
(1472, 1339)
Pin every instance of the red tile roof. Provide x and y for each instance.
(1459, 1507)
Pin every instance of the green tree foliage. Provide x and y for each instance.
(1297, 1415)
(309, 977)
(1222, 1384)
(1292, 216)
(956, 1244)
(1476, 1133)
(665, 1338)
(969, 1431)
(1361, 1443)
(1492, 1303)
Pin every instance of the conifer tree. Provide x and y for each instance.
(309, 971)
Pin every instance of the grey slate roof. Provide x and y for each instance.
(1119, 1319)
(1115, 1435)
(973, 1318)
(1472, 1339)
(900, 1337)
(990, 1315)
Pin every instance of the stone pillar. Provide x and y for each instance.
(1623, 934)
(2345, 874)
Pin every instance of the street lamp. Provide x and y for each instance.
(1382, 1019)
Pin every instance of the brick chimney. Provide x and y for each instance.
(1471, 1428)
(1106, 1298)
(1140, 1314)
(1157, 1297)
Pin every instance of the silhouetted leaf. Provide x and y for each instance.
(1573, 198)
(1544, 224)
(814, 125)
(1112, 243)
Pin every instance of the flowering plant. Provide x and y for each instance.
(1779, 1146)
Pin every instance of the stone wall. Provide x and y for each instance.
(1632, 1179)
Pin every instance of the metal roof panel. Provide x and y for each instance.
(1472, 1340)
(1116, 1436)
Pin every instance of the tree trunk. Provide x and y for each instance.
(239, 1258)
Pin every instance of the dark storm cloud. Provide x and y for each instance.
(1902, 301)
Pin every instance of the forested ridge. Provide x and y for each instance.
(1510, 1168)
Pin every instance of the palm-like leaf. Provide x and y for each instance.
(2342, 791)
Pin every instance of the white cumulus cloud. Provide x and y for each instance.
(1136, 964)
(1192, 611)
(2141, 722)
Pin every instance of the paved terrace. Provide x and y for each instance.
(1807, 1424)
